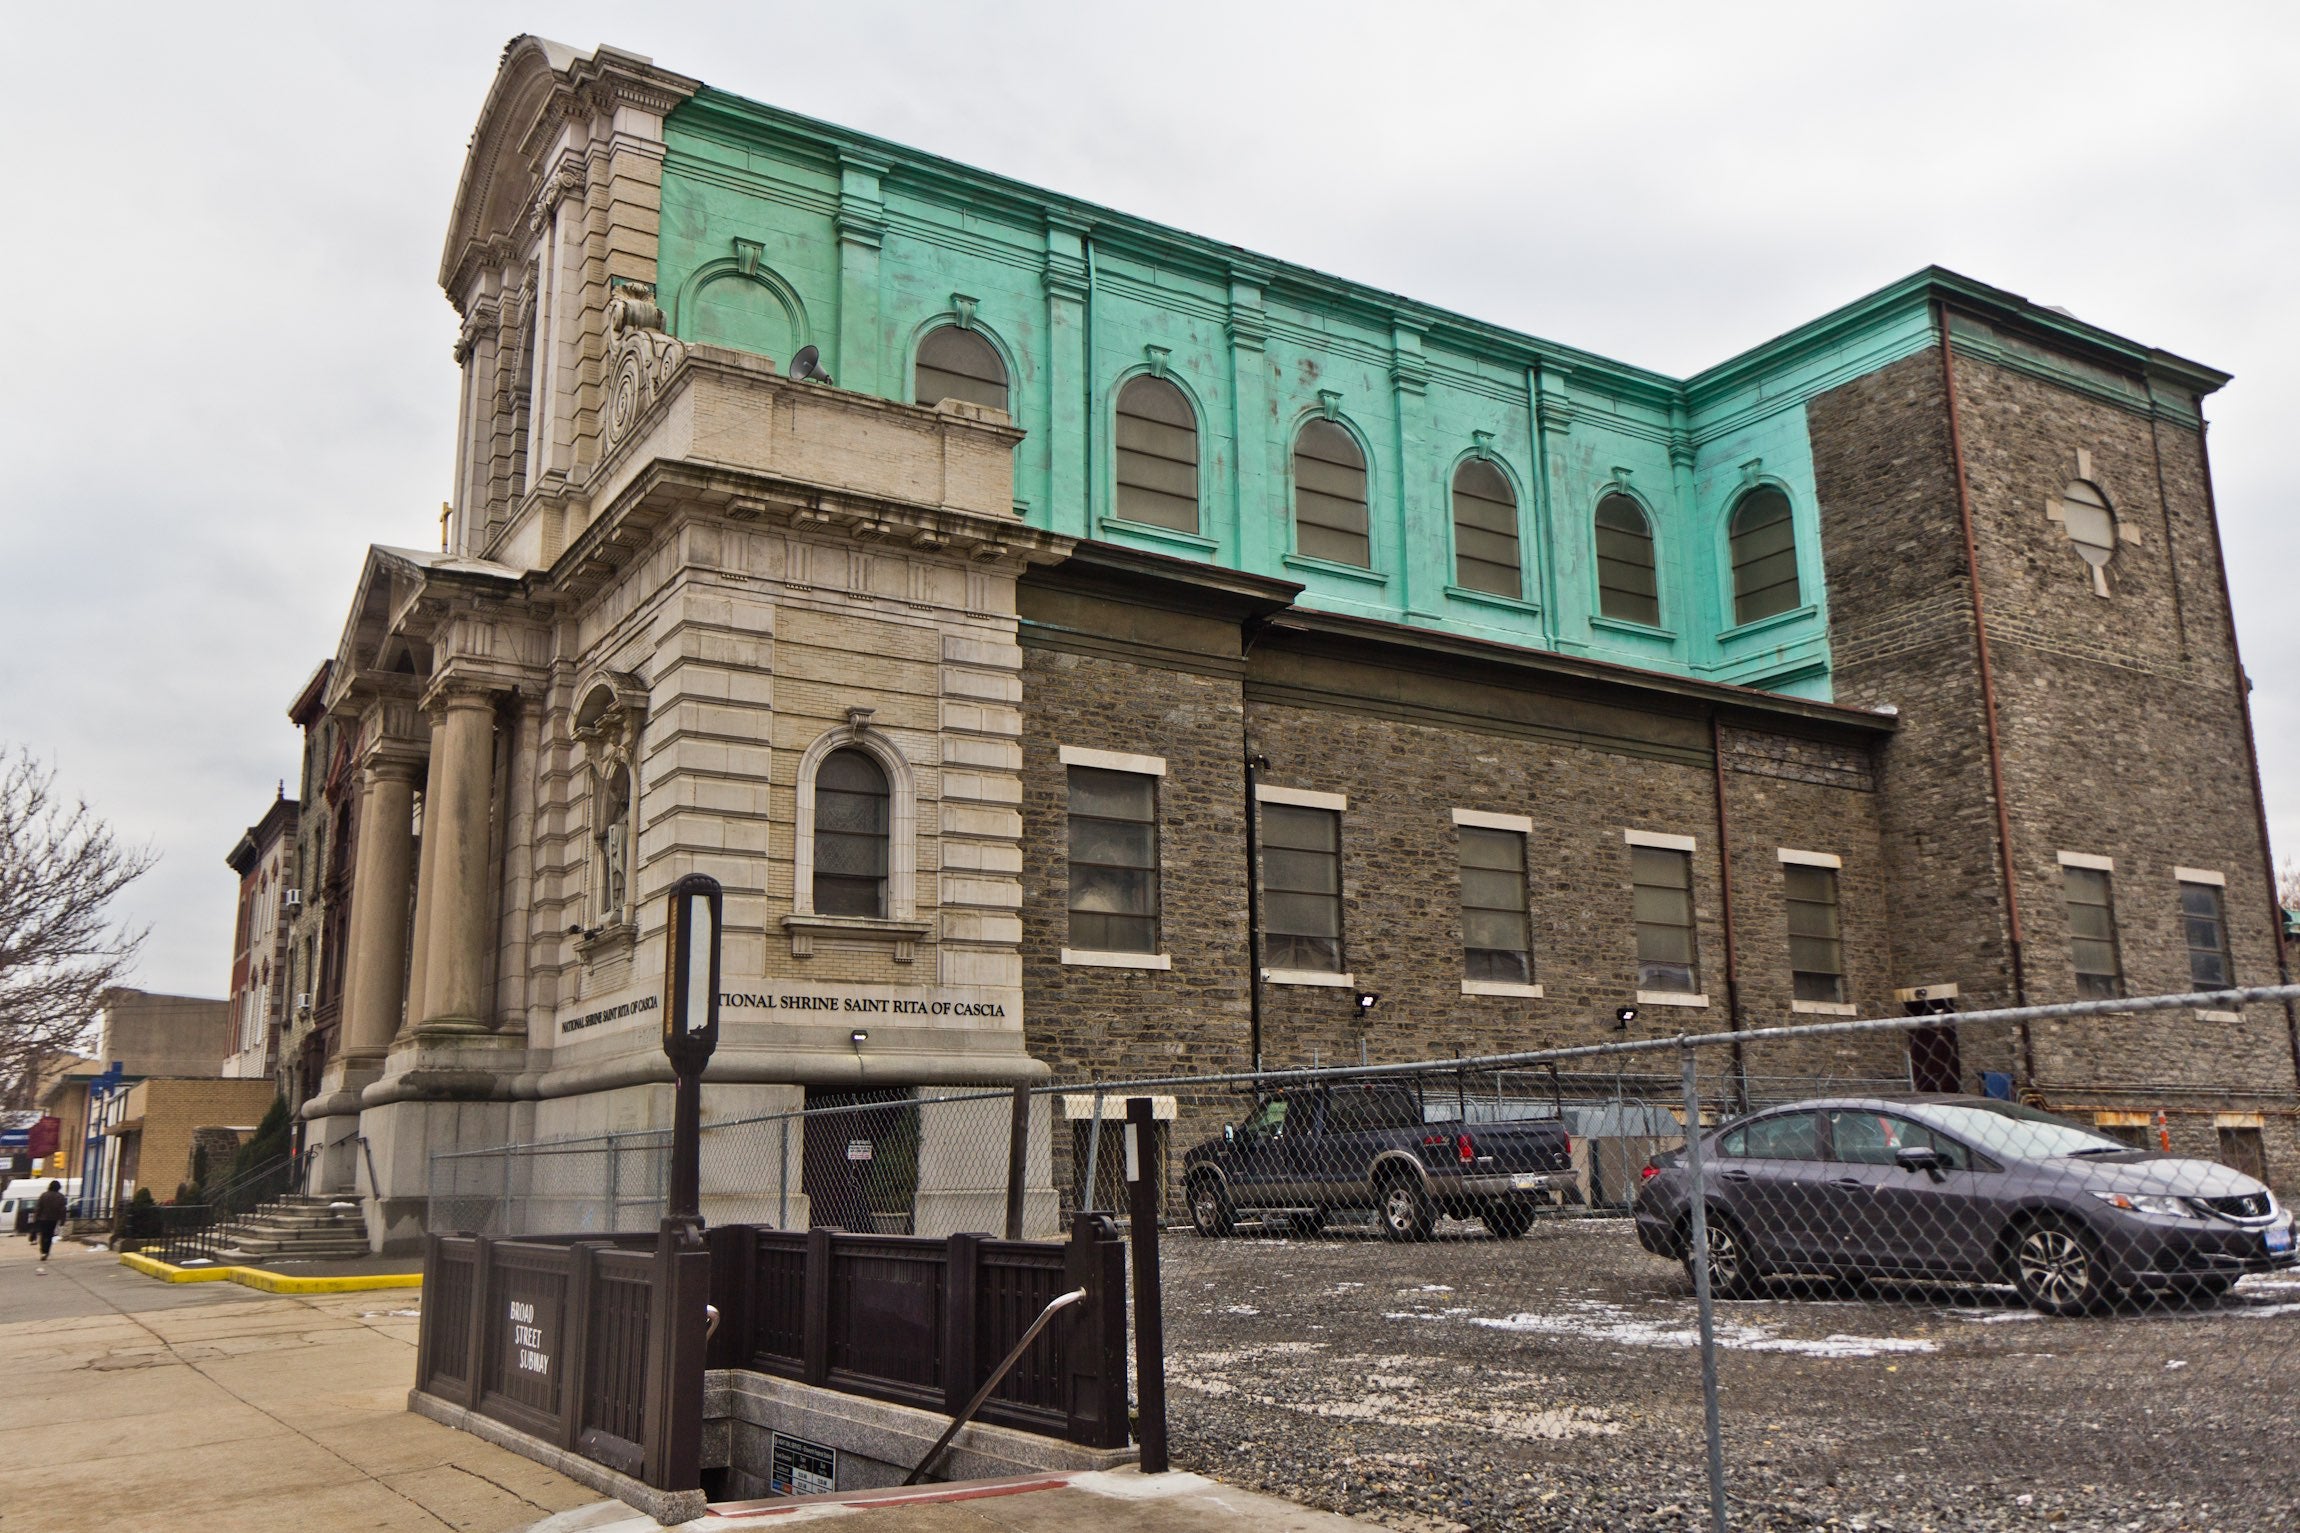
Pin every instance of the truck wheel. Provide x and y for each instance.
(1508, 1220)
(1405, 1211)
(1210, 1209)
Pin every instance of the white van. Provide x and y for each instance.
(19, 1196)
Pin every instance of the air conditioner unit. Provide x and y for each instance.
(292, 899)
(302, 1002)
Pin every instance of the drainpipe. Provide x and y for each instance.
(1725, 900)
(1254, 763)
(2251, 749)
(1988, 693)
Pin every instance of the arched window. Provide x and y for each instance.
(851, 829)
(1330, 496)
(1764, 556)
(959, 364)
(1485, 530)
(1157, 455)
(1626, 588)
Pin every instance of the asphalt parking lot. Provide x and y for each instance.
(1552, 1382)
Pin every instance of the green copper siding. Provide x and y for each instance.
(779, 232)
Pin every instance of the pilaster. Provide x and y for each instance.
(1250, 536)
(1069, 374)
(861, 225)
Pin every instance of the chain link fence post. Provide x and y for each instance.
(1704, 1306)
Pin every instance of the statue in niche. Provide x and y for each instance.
(614, 847)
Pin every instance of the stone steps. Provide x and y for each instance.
(300, 1226)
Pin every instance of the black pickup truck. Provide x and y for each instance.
(1305, 1153)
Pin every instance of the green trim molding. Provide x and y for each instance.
(779, 231)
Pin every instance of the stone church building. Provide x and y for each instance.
(962, 573)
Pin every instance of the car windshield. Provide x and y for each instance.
(2012, 1132)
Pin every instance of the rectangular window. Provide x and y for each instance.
(1816, 940)
(1494, 937)
(2205, 921)
(2092, 933)
(1113, 861)
(1662, 885)
(1301, 888)
(2242, 1149)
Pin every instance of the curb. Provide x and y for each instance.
(268, 1282)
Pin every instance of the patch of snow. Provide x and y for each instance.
(1240, 1309)
(2177, 1362)
(1994, 1317)
(1594, 1320)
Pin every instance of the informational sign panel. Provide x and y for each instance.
(802, 1468)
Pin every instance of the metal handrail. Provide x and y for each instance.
(997, 1377)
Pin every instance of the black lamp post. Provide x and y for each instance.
(690, 1027)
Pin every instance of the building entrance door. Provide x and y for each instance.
(861, 1159)
(1935, 1062)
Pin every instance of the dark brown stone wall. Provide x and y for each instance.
(2119, 720)
(2122, 728)
(1401, 880)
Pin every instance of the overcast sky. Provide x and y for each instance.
(228, 368)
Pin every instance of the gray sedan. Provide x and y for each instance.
(1966, 1190)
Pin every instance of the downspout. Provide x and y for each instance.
(1988, 693)
(1725, 899)
(1253, 766)
(2251, 749)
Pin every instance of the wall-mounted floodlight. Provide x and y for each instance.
(1623, 1016)
(1367, 1001)
(859, 1036)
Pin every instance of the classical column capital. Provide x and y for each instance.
(453, 691)
(393, 766)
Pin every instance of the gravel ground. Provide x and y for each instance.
(1552, 1382)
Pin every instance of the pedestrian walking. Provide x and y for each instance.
(46, 1215)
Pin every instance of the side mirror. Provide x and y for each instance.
(1921, 1158)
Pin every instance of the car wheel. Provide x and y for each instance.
(2057, 1269)
(1509, 1220)
(1210, 1209)
(1405, 1211)
(1732, 1270)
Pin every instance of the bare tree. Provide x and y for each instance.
(60, 950)
(2288, 883)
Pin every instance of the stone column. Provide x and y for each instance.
(375, 989)
(455, 833)
(426, 894)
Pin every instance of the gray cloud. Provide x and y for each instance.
(229, 365)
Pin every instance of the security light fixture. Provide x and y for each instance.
(1623, 1016)
(859, 1036)
(1367, 1001)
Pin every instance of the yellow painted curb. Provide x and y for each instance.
(269, 1282)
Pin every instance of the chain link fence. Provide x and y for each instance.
(1511, 1293)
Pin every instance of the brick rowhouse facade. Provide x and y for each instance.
(1096, 507)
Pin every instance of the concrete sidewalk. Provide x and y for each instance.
(137, 1404)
